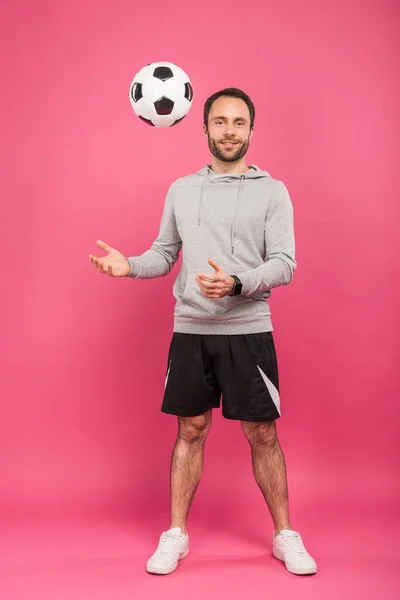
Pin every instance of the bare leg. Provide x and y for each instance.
(187, 465)
(269, 470)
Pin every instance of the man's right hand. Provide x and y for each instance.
(114, 264)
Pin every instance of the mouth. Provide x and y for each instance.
(229, 144)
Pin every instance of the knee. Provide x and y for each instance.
(260, 434)
(194, 429)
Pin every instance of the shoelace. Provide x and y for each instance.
(167, 543)
(295, 543)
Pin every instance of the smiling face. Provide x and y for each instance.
(228, 129)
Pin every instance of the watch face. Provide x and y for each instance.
(237, 286)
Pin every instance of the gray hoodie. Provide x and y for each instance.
(242, 221)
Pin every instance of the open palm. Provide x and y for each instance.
(114, 264)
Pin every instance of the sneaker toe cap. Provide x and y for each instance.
(157, 562)
(303, 564)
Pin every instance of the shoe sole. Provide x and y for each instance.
(294, 570)
(166, 570)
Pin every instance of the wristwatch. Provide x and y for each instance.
(237, 286)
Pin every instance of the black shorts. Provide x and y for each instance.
(243, 368)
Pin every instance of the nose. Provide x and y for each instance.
(229, 129)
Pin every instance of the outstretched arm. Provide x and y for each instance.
(164, 252)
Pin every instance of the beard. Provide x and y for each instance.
(218, 151)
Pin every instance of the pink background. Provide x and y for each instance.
(85, 449)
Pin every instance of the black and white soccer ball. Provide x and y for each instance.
(161, 94)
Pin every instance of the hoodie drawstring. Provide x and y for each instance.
(236, 212)
(239, 197)
(203, 189)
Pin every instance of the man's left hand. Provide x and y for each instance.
(218, 285)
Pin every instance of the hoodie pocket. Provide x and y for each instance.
(195, 305)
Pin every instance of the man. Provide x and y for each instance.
(239, 221)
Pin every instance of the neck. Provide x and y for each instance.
(220, 166)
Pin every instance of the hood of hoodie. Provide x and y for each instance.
(211, 177)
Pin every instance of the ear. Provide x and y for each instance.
(205, 129)
(251, 133)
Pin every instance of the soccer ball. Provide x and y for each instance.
(161, 94)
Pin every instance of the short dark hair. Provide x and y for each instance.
(232, 93)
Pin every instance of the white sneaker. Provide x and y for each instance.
(288, 546)
(173, 546)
